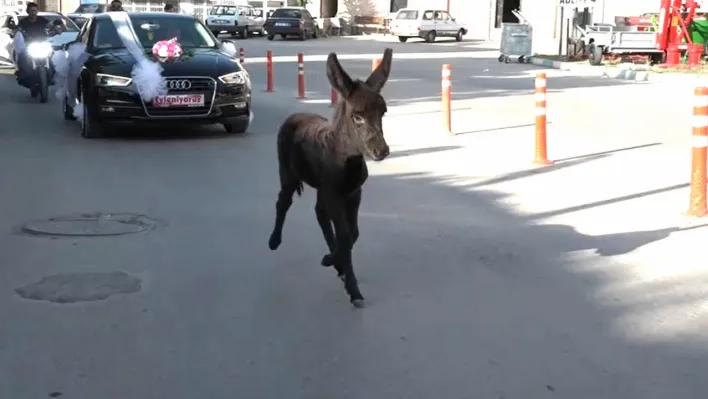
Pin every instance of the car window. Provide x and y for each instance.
(445, 16)
(67, 24)
(189, 32)
(428, 16)
(306, 14)
(244, 11)
(223, 10)
(437, 15)
(407, 14)
(84, 33)
(286, 13)
(90, 8)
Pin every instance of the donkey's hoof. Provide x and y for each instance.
(327, 260)
(358, 303)
(274, 242)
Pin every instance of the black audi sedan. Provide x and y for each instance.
(206, 85)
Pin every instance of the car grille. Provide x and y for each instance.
(206, 86)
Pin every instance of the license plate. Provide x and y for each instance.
(179, 100)
(282, 24)
(220, 22)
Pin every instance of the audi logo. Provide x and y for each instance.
(181, 84)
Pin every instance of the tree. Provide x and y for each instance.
(303, 3)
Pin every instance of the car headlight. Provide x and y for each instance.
(39, 50)
(235, 78)
(103, 79)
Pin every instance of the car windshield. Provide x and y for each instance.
(90, 8)
(67, 24)
(286, 13)
(408, 14)
(223, 10)
(189, 32)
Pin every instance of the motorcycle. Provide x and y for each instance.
(39, 78)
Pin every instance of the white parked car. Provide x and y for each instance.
(427, 24)
(239, 20)
(84, 12)
(7, 52)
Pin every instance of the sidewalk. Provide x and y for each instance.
(622, 165)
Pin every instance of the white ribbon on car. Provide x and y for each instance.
(146, 74)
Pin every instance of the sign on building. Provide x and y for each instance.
(577, 3)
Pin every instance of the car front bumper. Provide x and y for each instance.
(222, 104)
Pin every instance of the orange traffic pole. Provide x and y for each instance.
(300, 76)
(446, 97)
(697, 205)
(541, 157)
(334, 98)
(375, 63)
(242, 55)
(269, 71)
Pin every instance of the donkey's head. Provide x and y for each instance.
(361, 113)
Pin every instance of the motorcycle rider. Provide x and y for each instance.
(33, 28)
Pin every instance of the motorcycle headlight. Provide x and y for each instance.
(235, 78)
(103, 79)
(39, 50)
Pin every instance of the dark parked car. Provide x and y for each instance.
(291, 21)
(206, 85)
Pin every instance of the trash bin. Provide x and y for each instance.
(695, 53)
(673, 55)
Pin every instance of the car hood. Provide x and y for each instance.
(63, 38)
(82, 15)
(198, 62)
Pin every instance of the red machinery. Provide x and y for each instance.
(675, 16)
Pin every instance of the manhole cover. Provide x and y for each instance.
(90, 224)
(80, 287)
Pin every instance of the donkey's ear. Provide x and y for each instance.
(339, 79)
(378, 78)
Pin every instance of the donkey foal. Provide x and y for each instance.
(330, 157)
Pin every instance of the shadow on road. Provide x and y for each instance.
(577, 319)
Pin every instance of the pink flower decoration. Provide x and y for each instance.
(167, 49)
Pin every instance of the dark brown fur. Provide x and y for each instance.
(330, 157)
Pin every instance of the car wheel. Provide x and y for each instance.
(271, 37)
(216, 33)
(314, 33)
(238, 127)
(402, 39)
(91, 127)
(303, 35)
(244, 33)
(459, 35)
(430, 37)
(67, 110)
(283, 35)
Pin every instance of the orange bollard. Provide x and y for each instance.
(375, 64)
(269, 71)
(446, 97)
(697, 205)
(541, 157)
(300, 76)
(241, 55)
(334, 98)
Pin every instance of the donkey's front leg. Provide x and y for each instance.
(343, 252)
(352, 204)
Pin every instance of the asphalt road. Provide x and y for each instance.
(465, 298)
